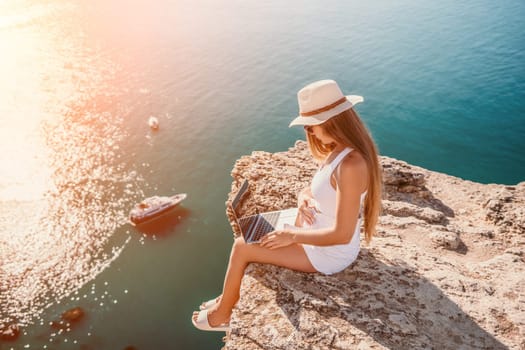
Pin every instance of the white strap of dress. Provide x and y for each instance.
(340, 157)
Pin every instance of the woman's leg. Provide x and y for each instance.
(292, 257)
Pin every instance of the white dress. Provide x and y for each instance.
(334, 258)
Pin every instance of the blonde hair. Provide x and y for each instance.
(349, 130)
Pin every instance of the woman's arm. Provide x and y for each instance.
(351, 178)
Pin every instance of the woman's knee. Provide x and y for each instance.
(239, 248)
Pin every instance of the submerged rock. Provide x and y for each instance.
(68, 318)
(10, 332)
(445, 271)
(73, 315)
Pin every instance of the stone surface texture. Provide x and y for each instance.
(445, 271)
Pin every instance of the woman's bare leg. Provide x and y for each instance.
(292, 257)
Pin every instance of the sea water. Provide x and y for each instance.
(444, 88)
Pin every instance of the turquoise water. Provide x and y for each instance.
(444, 88)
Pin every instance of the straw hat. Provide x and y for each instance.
(320, 101)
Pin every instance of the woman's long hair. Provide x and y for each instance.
(348, 129)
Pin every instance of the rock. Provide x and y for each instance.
(402, 175)
(68, 318)
(10, 333)
(404, 209)
(73, 315)
(506, 209)
(445, 239)
(515, 251)
(487, 233)
(401, 292)
(401, 324)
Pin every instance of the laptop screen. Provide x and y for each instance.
(238, 197)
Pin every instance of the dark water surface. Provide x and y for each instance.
(444, 88)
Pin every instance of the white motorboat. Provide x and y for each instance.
(153, 207)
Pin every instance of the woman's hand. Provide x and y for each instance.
(277, 239)
(306, 213)
(306, 208)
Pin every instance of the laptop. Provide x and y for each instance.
(254, 227)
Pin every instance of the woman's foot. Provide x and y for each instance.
(216, 316)
(208, 304)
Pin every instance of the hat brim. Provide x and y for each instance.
(351, 100)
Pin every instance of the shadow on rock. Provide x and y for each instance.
(374, 300)
(423, 199)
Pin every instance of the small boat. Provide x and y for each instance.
(153, 207)
(153, 123)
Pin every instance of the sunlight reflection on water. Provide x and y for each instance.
(64, 187)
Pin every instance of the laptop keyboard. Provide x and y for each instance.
(256, 226)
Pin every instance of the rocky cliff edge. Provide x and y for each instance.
(446, 270)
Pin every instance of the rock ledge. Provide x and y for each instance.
(446, 270)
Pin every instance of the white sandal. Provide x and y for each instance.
(203, 324)
(208, 304)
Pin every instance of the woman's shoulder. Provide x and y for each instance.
(354, 167)
(354, 161)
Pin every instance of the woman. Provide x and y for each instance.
(345, 190)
